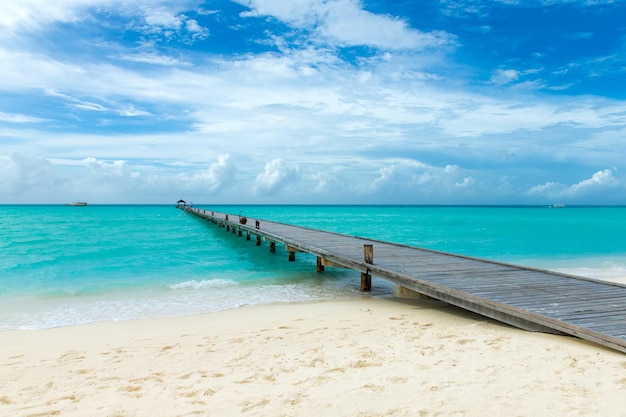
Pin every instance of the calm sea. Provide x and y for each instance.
(62, 265)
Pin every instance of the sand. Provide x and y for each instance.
(358, 357)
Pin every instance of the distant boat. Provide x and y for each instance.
(558, 205)
(77, 204)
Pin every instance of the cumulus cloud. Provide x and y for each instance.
(276, 176)
(599, 182)
(409, 180)
(600, 179)
(219, 176)
(117, 168)
(30, 179)
(549, 189)
(26, 176)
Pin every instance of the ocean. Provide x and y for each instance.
(62, 265)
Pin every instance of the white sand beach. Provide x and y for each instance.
(359, 357)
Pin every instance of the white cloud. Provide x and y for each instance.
(600, 179)
(151, 16)
(219, 176)
(198, 32)
(27, 178)
(275, 177)
(549, 189)
(131, 111)
(599, 182)
(117, 168)
(19, 118)
(345, 22)
(161, 17)
(154, 59)
(19, 15)
(408, 180)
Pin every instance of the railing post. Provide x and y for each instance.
(368, 254)
(366, 277)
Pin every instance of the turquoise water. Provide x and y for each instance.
(63, 265)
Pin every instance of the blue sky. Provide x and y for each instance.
(313, 101)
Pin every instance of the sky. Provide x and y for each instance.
(313, 101)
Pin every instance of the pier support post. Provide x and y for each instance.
(247, 235)
(239, 231)
(258, 240)
(292, 253)
(272, 247)
(320, 264)
(366, 277)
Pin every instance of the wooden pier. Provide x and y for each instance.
(528, 298)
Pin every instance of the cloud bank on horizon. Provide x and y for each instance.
(313, 101)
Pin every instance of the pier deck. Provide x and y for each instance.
(527, 298)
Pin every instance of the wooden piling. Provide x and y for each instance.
(320, 264)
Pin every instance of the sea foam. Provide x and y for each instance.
(200, 285)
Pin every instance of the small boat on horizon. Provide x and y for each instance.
(77, 204)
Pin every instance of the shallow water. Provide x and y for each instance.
(63, 265)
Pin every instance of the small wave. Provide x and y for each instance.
(613, 273)
(200, 285)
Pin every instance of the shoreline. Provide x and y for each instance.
(370, 356)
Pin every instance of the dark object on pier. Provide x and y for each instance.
(243, 220)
